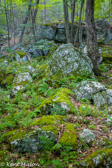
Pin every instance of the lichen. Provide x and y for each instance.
(96, 158)
(69, 136)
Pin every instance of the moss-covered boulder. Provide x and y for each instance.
(69, 136)
(67, 61)
(58, 103)
(35, 141)
(96, 159)
(42, 138)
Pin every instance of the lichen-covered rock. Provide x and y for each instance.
(32, 71)
(96, 159)
(69, 136)
(87, 136)
(87, 88)
(20, 81)
(109, 96)
(35, 141)
(100, 99)
(67, 61)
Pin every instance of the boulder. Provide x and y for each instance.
(69, 136)
(87, 88)
(103, 31)
(97, 159)
(35, 141)
(66, 60)
(20, 81)
(87, 136)
(93, 91)
(42, 138)
(42, 48)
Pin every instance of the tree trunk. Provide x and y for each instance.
(72, 18)
(78, 31)
(65, 6)
(25, 21)
(34, 19)
(7, 21)
(92, 48)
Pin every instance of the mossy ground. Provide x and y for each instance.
(24, 113)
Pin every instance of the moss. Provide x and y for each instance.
(21, 53)
(96, 158)
(9, 79)
(51, 128)
(61, 98)
(52, 24)
(48, 120)
(69, 136)
(12, 135)
(85, 110)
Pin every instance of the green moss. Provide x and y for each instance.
(61, 98)
(9, 79)
(85, 110)
(12, 135)
(48, 120)
(96, 158)
(21, 53)
(69, 136)
(51, 128)
(52, 24)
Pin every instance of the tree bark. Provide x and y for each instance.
(78, 31)
(92, 48)
(72, 18)
(65, 7)
(7, 21)
(34, 19)
(25, 21)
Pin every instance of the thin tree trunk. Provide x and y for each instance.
(7, 22)
(66, 21)
(92, 48)
(34, 19)
(25, 21)
(78, 31)
(72, 18)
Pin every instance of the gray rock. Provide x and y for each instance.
(46, 32)
(20, 81)
(67, 61)
(109, 96)
(19, 59)
(16, 89)
(31, 70)
(22, 77)
(35, 141)
(87, 89)
(100, 99)
(87, 136)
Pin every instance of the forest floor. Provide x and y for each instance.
(19, 111)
